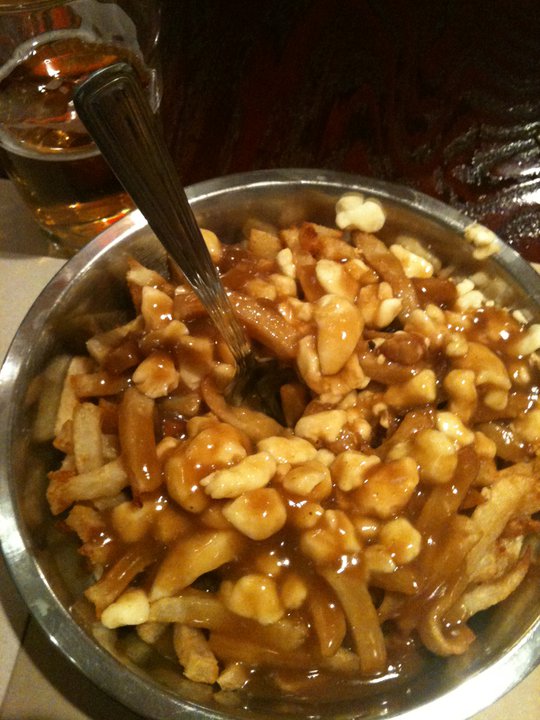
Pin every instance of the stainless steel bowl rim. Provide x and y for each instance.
(471, 696)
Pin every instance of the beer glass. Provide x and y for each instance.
(46, 48)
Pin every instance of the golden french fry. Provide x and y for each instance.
(446, 581)
(63, 440)
(130, 608)
(91, 528)
(435, 636)
(499, 559)
(329, 622)
(486, 594)
(388, 267)
(138, 442)
(87, 443)
(266, 326)
(51, 385)
(151, 631)
(206, 610)
(193, 556)
(403, 580)
(98, 384)
(504, 500)
(66, 487)
(363, 622)
(198, 609)
(240, 649)
(233, 676)
(191, 647)
(263, 244)
(101, 345)
(118, 577)
(256, 425)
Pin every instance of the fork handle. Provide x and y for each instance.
(113, 106)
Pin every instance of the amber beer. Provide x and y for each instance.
(46, 150)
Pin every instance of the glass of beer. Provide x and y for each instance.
(46, 48)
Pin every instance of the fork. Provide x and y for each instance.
(113, 106)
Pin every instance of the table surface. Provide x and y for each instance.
(36, 681)
(443, 96)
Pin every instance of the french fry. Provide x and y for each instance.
(125, 356)
(294, 398)
(440, 570)
(138, 442)
(91, 528)
(403, 580)
(432, 633)
(379, 368)
(286, 635)
(307, 275)
(187, 306)
(531, 501)
(266, 326)
(158, 636)
(263, 244)
(66, 488)
(194, 608)
(63, 440)
(414, 421)
(206, 610)
(86, 522)
(505, 498)
(51, 382)
(87, 444)
(444, 500)
(130, 608)
(99, 346)
(69, 399)
(329, 622)
(199, 662)
(118, 577)
(362, 620)
(151, 631)
(389, 268)
(98, 384)
(343, 661)
(109, 416)
(256, 425)
(193, 556)
(139, 276)
(503, 554)
(444, 587)
(486, 594)
(233, 676)
(233, 648)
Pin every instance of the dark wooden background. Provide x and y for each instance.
(442, 95)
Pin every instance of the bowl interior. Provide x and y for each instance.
(89, 294)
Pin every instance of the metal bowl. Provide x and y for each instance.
(89, 292)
